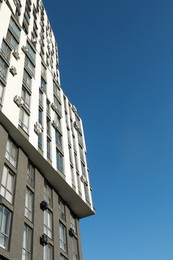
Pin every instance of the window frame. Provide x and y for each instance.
(5, 227)
(5, 190)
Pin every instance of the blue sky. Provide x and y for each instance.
(116, 65)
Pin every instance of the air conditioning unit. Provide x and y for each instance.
(76, 126)
(83, 179)
(44, 205)
(71, 232)
(53, 106)
(44, 240)
(18, 100)
(16, 54)
(38, 128)
(13, 70)
(25, 49)
(74, 109)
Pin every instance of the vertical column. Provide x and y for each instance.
(19, 206)
(38, 217)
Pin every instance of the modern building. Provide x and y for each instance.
(44, 183)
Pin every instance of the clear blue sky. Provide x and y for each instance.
(116, 65)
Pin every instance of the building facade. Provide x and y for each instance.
(44, 178)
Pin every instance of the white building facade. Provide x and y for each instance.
(39, 124)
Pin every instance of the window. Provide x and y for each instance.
(40, 116)
(24, 120)
(86, 192)
(81, 153)
(27, 79)
(57, 120)
(48, 126)
(58, 105)
(62, 257)
(40, 98)
(62, 237)
(62, 210)
(59, 161)
(7, 185)
(6, 51)
(12, 41)
(1, 92)
(11, 152)
(14, 29)
(28, 204)
(48, 148)
(5, 222)
(43, 71)
(72, 175)
(83, 169)
(47, 194)
(30, 174)
(73, 222)
(29, 66)
(27, 243)
(43, 85)
(56, 90)
(48, 252)
(80, 138)
(31, 52)
(48, 223)
(3, 69)
(78, 183)
(58, 138)
(74, 248)
(26, 97)
(48, 107)
(40, 141)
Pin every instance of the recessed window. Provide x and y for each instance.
(5, 222)
(29, 204)
(26, 97)
(7, 185)
(6, 51)
(58, 105)
(31, 52)
(86, 192)
(59, 160)
(48, 252)
(48, 223)
(40, 116)
(29, 66)
(47, 194)
(14, 29)
(43, 85)
(62, 210)
(58, 138)
(27, 79)
(40, 141)
(1, 92)
(48, 148)
(27, 243)
(24, 120)
(62, 237)
(30, 174)
(73, 222)
(62, 257)
(74, 248)
(11, 152)
(3, 69)
(56, 90)
(11, 40)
